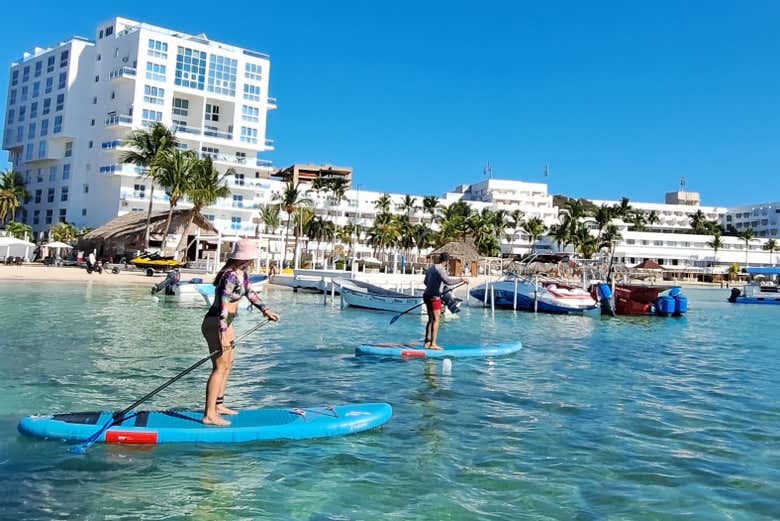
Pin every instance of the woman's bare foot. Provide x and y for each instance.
(221, 409)
(434, 347)
(215, 420)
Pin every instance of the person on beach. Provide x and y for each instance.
(231, 283)
(435, 278)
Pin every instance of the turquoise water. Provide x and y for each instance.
(596, 418)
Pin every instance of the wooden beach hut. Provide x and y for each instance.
(463, 254)
(124, 235)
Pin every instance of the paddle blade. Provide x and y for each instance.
(392, 320)
(79, 449)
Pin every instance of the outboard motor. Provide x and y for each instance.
(449, 300)
(735, 292)
(169, 284)
(605, 299)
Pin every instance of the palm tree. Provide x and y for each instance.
(18, 230)
(146, 147)
(560, 234)
(746, 236)
(485, 228)
(771, 247)
(623, 209)
(652, 217)
(63, 232)
(430, 204)
(204, 187)
(12, 194)
(423, 237)
(338, 191)
(535, 228)
(585, 242)
(174, 174)
(382, 204)
(698, 221)
(454, 221)
(603, 216)
(610, 237)
(408, 204)
(344, 235)
(301, 218)
(290, 200)
(405, 233)
(384, 233)
(270, 218)
(716, 243)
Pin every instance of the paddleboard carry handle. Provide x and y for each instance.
(119, 417)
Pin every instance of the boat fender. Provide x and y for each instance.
(605, 299)
(735, 292)
(674, 291)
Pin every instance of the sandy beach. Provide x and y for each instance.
(75, 274)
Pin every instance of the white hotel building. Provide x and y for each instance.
(69, 106)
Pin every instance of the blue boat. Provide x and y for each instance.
(155, 427)
(756, 292)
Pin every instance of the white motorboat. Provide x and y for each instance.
(364, 295)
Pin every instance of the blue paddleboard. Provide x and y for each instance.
(154, 427)
(402, 351)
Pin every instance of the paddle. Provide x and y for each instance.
(392, 320)
(120, 416)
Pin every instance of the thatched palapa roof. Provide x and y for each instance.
(127, 231)
(465, 251)
(648, 264)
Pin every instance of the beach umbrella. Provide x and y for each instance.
(57, 245)
(8, 242)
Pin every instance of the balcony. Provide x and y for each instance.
(122, 73)
(119, 119)
(215, 133)
(237, 161)
(269, 144)
(271, 103)
(187, 130)
(121, 169)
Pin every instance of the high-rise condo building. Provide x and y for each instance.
(69, 107)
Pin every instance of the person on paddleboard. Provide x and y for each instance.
(435, 278)
(231, 284)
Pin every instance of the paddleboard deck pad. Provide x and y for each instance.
(404, 351)
(155, 427)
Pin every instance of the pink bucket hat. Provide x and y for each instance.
(245, 249)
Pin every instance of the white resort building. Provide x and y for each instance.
(69, 106)
(763, 219)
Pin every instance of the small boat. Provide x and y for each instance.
(758, 292)
(550, 295)
(364, 295)
(156, 427)
(197, 289)
(641, 299)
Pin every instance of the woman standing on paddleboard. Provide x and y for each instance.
(435, 277)
(231, 283)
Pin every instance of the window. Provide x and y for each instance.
(44, 127)
(89, 144)
(49, 85)
(139, 191)
(157, 49)
(155, 71)
(63, 80)
(253, 71)
(12, 97)
(64, 211)
(181, 107)
(86, 188)
(250, 114)
(190, 68)
(36, 217)
(50, 195)
(14, 77)
(36, 90)
(153, 95)
(64, 194)
(251, 92)
(39, 176)
(34, 110)
(49, 214)
(60, 102)
(68, 148)
(38, 68)
(212, 112)
(238, 201)
(50, 64)
(46, 106)
(23, 97)
(235, 223)
(22, 113)
(19, 134)
(98, 57)
(92, 122)
(110, 144)
(31, 131)
(239, 179)
(64, 59)
(222, 75)
(94, 100)
(97, 78)
(53, 173)
(66, 171)
(83, 212)
(109, 30)
(28, 153)
(42, 149)
(26, 73)
(57, 125)
(10, 118)
(248, 135)
(37, 196)
(150, 116)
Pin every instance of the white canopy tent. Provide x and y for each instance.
(15, 247)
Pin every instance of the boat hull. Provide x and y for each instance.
(380, 302)
(546, 300)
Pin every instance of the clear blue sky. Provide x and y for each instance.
(618, 98)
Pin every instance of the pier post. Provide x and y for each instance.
(487, 287)
(514, 304)
(493, 297)
(536, 293)
(333, 293)
(324, 290)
